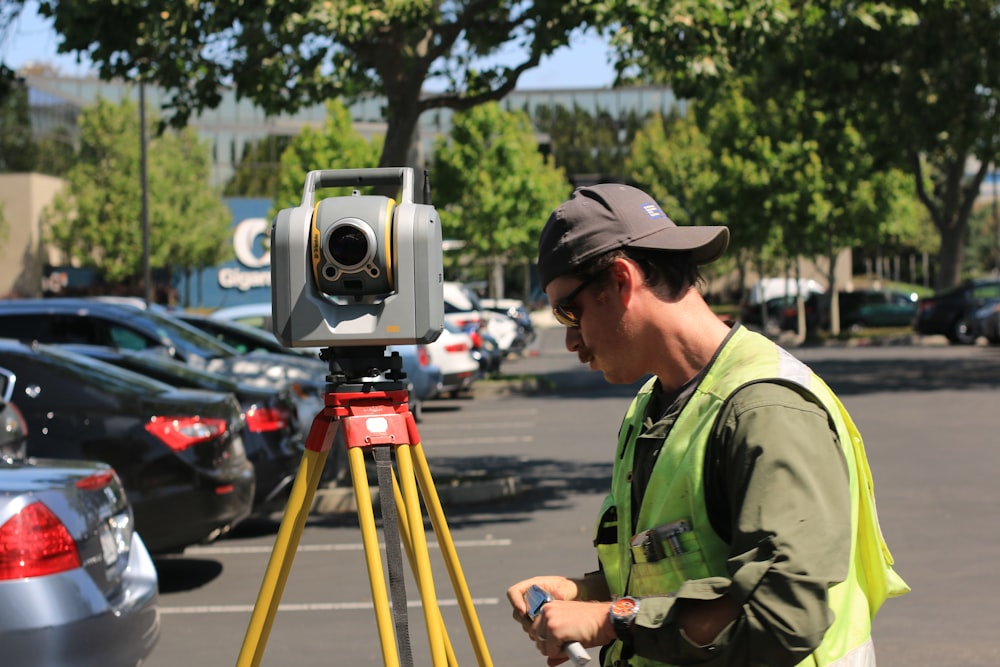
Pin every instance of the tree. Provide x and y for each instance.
(337, 145)
(595, 144)
(494, 189)
(290, 54)
(17, 149)
(257, 172)
(917, 79)
(96, 219)
(786, 179)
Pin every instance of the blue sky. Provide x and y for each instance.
(584, 64)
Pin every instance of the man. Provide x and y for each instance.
(740, 528)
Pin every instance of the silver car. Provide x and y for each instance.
(77, 585)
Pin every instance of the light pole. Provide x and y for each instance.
(143, 175)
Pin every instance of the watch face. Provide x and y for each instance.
(624, 607)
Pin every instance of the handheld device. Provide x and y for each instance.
(536, 598)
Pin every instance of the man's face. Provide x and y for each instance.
(600, 338)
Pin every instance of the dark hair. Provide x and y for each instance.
(676, 270)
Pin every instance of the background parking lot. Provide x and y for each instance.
(928, 415)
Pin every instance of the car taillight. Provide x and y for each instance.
(423, 356)
(456, 347)
(179, 433)
(97, 481)
(261, 420)
(34, 543)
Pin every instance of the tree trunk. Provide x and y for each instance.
(951, 256)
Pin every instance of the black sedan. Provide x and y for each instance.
(77, 585)
(96, 322)
(271, 435)
(179, 453)
(950, 313)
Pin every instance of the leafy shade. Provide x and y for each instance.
(97, 219)
(918, 80)
(295, 53)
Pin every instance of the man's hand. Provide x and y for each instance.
(563, 619)
(560, 588)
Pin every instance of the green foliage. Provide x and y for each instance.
(17, 149)
(337, 145)
(492, 187)
(917, 82)
(257, 173)
(97, 219)
(290, 54)
(784, 177)
(585, 143)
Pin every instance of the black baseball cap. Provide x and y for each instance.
(599, 218)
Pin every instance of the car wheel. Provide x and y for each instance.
(416, 409)
(961, 334)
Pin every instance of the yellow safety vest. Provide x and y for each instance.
(674, 503)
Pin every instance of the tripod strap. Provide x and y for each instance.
(393, 553)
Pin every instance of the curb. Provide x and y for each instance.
(464, 491)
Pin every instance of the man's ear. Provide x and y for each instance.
(626, 277)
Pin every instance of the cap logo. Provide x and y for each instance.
(653, 210)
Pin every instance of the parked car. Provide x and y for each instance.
(517, 311)
(95, 322)
(950, 312)
(986, 321)
(865, 308)
(244, 338)
(179, 453)
(461, 309)
(423, 377)
(452, 353)
(781, 313)
(271, 434)
(77, 584)
(464, 310)
(485, 349)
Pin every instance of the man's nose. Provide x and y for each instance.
(573, 338)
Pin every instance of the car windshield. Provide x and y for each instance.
(91, 371)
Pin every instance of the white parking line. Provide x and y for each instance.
(310, 606)
(321, 548)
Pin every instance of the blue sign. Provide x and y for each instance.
(245, 279)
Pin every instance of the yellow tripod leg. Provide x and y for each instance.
(421, 562)
(376, 577)
(458, 582)
(283, 553)
(404, 529)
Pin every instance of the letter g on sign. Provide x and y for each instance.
(244, 236)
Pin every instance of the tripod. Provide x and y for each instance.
(375, 416)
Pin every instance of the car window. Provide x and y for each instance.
(987, 291)
(50, 328)
(128, 339)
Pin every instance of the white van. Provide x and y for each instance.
(772, 288)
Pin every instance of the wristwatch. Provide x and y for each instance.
(622, 613)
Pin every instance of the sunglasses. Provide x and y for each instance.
(566, 312)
